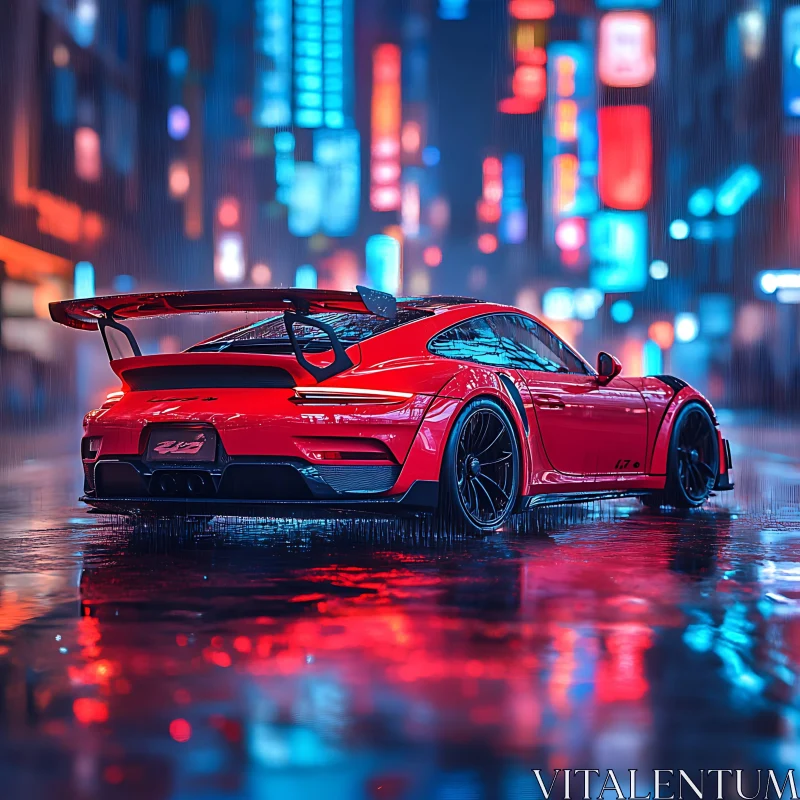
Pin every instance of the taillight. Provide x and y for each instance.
(336, 395)
(113, 397)
(348, 455)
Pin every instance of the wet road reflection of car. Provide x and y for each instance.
(362, 660)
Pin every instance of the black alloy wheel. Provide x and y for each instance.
(481, 467)
(693, 460)
(697, 454)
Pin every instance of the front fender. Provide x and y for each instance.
(658, 461)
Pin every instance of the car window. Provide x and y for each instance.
(473, 340)
(349, 329)
(506, 340)
(533, 347)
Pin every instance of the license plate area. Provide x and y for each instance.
(182, 444)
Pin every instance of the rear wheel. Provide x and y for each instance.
(480, 469)
(692, 462)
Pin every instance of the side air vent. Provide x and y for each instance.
(207, 376)
(361, 479)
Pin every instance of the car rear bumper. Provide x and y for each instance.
(247, 487)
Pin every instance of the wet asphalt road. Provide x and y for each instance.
(363, 661)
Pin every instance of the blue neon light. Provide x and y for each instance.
(431, 156)
(65, 96)
(306, 198)
(338, 153)
(791, 68)
(580, 90)
(84, 22)
(272, 92)
(618, 244)
(323, 63)
(178, 62)
(383, 263)
(737, 190)
(628, 4)
(453, 9)
(513, 227)
(652, 358)
(305, 277)
(123, 283)
(622, 311)
(84, 280)
(679, 229)
(701, 203)
(284, 165)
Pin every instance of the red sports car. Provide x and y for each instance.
(356, 400)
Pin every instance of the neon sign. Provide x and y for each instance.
(272, 43)
(626, 49)
(618, 241)
(528, 39)
(626, 155)
(570, 150)
(386, 118)
(338, 154)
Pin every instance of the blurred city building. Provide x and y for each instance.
(629, 169)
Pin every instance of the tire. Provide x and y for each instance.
(480, 469)
(692, 461)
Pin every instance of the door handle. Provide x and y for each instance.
(548, 401)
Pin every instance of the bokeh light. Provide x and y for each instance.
(178, 122)
(487, 243)
(432, 256)
(622, 311)
(659, 270)
(261, 275)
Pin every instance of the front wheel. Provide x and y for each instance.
(692, 461)
(480, 468)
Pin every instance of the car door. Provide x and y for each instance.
(586, 428)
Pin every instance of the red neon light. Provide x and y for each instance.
(228, 212)
(386, 121)
(385, 172)
(532, 9)
(492, 180)
(432, 256)
(536, 56)
(488, 212)
(625, 179)
(487, 243)
(530, 82)
(517, 105)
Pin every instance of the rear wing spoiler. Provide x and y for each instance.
(100, 313)
(86, 314)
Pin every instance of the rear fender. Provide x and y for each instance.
(424, 460)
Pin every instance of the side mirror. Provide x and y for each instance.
(608, 368)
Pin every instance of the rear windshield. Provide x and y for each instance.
(270, 333)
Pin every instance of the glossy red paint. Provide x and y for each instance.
(587, 428)
(576, 433)
(658, 464)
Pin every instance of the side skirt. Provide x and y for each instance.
(529, 502)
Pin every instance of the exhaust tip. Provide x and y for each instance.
(168, 484)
